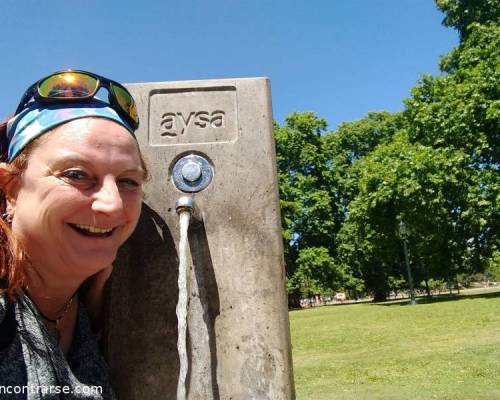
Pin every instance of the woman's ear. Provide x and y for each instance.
(9, 184)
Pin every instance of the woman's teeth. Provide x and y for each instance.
(88, 229)
(93, 229)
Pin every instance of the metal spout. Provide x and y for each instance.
(184, 203)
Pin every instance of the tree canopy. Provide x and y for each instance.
(434, 166)
(461, 13)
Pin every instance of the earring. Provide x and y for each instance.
(7, 217)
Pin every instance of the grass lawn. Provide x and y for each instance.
(441, 349)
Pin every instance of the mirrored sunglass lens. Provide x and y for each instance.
(68, 84)
(126, 102)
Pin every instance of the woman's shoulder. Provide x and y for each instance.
(7, 310)
(7, 321)
(6, 306)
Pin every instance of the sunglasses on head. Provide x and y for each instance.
(68, 86)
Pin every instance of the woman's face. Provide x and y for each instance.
(79, 198)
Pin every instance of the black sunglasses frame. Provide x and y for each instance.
(102, 82)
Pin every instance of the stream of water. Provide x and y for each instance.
(182, 305)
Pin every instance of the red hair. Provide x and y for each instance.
(12, 256)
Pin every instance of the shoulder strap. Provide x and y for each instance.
(8, 326)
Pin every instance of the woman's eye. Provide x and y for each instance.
(75, 174)
(78, 178)
(129, 183)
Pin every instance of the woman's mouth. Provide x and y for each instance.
(92, 231)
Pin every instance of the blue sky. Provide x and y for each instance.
(339, 58)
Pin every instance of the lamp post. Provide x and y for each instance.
(402, 233)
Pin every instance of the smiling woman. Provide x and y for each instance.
(71, 195)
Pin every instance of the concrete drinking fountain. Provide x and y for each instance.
(197, 306)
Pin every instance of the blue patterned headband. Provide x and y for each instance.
(37, 119)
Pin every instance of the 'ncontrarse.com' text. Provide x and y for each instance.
(48, 389)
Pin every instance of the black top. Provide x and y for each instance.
(33, 366)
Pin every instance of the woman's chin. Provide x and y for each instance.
(93, 265)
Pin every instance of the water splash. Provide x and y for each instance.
(182, 305)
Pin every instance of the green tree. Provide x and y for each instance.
(493, 268)
(308, 214)
(460, 111)
(351, 142)
(461, 108)
(402, 181)
(344, 148)
(461, 13)
(316, 273)
(434, 166)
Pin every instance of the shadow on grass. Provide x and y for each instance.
(439, 298)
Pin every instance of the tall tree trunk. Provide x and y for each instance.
(426, 279)
(293, 300)
(427, 289)
(379, 296)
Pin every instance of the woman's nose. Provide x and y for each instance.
(108, 198)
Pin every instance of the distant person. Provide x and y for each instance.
(71, 182)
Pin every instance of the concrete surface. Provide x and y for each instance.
(239, 340)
